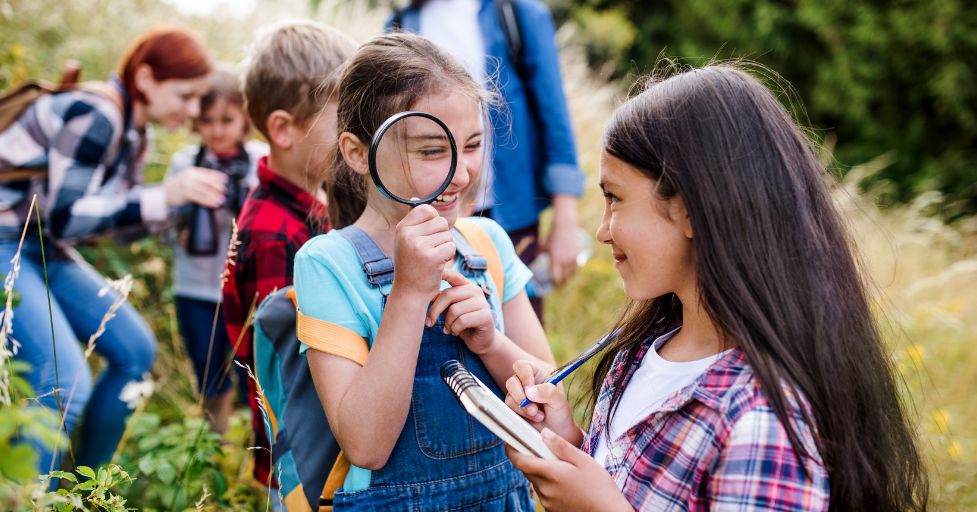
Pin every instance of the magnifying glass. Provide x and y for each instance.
(413, 158)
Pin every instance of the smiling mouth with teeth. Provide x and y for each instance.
(446, 199)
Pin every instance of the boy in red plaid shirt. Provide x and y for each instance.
(290, 84)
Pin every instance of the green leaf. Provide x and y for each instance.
(86, 471)
(64, 474)
(18, 462)
(87, 485)
(166, 472)
(148, 443)
(147, 465)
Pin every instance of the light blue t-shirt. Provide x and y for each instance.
(330, 285)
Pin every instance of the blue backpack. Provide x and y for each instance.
(306, 458)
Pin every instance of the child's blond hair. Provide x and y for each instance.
(294, 66)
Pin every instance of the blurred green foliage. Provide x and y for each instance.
(174, 463)
(880, 77)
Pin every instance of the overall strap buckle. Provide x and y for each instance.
(377, 266)
(474, 264)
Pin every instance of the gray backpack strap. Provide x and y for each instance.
(474, 264)
(379, 268)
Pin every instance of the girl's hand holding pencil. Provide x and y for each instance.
(548, 407)
(574, 482)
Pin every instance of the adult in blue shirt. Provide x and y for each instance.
(534, 155)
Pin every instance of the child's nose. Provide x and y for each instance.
(466, 169)
(603, 233)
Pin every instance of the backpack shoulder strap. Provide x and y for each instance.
(481, 242)
(509, 21)
(329, 337)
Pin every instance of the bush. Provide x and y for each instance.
(883, 77)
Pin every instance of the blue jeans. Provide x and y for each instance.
(196, 319)
(127, 345)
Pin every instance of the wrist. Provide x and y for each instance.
(406, 294)
(564, 211)
(491, 347)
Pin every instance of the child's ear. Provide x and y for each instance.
(354, 153)
(279, 126)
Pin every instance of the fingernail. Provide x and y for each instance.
(538, 417)
(547, 433)
(532, 394)
(446, 330)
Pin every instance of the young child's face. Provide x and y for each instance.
(222, 126)
(315, 139)
(428, 153)
(650, 238)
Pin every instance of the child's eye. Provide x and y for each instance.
(610, 198)
(431, 152)
(474, 146)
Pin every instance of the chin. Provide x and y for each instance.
(451, 217)
(174, 124)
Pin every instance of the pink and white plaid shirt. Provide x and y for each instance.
(714, 445)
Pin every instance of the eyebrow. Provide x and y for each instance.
(426, 136)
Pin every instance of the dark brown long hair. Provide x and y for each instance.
(776, 273)
(387, 75)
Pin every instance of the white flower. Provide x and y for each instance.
(135, 393)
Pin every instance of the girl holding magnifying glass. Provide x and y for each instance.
(408, 440)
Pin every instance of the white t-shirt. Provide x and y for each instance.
(453, 25)
(653, 382)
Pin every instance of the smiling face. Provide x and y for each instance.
(171, 102)
(222, 126)
(414, 157)
(650, 238)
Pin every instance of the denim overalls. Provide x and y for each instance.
(444, 459)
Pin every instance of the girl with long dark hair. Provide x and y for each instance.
(747, 372)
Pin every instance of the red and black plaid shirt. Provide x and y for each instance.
(275, 220)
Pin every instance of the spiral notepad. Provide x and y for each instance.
(485, 407)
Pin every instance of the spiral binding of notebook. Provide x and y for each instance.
(457, 377)
(479, 401)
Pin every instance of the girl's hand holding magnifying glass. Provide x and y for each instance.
(422, 246)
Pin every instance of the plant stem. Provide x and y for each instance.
(54, 347)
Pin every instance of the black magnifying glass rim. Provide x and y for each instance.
(375, 143)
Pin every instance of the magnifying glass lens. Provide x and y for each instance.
(414, 159)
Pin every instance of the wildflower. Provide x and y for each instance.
(916, 353)
(953, 450)
(135, 393)
(941, 419)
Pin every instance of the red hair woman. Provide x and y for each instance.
(93, 145)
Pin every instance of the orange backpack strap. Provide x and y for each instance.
(482, 243)
(328, 337)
